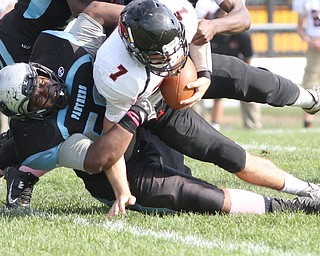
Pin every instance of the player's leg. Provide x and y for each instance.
(310, 78)
(217, 112)
(162, 189)
(190, 134)
(251, 115)
(232, 78)
(20, 179)
(158, 187)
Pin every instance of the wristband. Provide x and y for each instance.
(130, 122)
(205, 73)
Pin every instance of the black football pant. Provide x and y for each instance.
(187, 132)
(191, 135)
(232, 78)
(160, 182)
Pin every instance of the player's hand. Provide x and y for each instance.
(200, 86)
(206, 31)
(119, 205)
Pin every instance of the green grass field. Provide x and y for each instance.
(67, 221)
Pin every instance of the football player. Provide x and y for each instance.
(49, 106)
(132, 62)
(236, 20)
(20, 28)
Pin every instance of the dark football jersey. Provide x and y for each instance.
(84, 113)
(20, 28)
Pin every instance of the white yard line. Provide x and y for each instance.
(186, 240)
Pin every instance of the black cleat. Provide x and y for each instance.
(19, 187)
(315, 93)
(305, 204)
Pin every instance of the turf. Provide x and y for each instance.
(66, 220)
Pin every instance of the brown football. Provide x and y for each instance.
(174, 88)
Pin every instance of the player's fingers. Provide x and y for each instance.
(122, 206)
(193, 85)
(132, 200)
(114, 211)
(192, 100)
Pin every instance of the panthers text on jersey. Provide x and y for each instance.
(84, 113)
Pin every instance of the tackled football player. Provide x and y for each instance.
(49, 105)
(128, 67)
(19, 30)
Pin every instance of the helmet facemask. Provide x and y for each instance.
(154, 36)
(58, 99)
(169, 61)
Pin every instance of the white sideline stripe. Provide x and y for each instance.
(270, 147)
(190, 241)
(278, 148)
(282, 148)
(288, 131)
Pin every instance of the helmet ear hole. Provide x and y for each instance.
(148, 28)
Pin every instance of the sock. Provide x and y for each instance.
(268, 203)
(243, 201)
(295, 186)
(37, 173)
(216, 126)
(304, 100)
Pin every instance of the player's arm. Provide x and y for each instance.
(116, 174)
(237, 20)
(117, 177)
(79, 152)
(78, 6)
(103, 153)
(201, 57)
(107, 14)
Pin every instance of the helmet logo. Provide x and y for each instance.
(60, 71)
(25, 46)
(123, 30)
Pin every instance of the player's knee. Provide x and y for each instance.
(201, 197)
(231, 157)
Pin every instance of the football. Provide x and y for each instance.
(174, 88)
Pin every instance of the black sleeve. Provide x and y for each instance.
(35, 136)
(8, 156)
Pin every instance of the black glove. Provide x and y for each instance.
(139, 113)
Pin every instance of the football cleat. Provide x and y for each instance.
(305, 204)
(315, 93)
(19, 187)
(312, 191)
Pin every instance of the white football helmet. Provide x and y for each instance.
(17, 85)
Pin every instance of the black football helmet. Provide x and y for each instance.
(18, 83)
(153, 34)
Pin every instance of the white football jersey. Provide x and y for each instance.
(122, 79)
